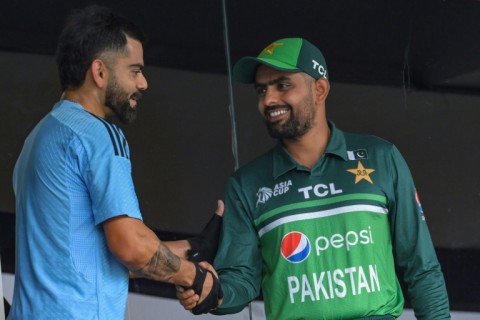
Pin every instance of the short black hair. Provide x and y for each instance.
(87, 34)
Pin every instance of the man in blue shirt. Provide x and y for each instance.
(79, 226)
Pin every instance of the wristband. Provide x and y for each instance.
(211, 300)
(199, 280)
(204, 246)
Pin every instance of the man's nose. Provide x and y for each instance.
(271, 96)
(142, 82)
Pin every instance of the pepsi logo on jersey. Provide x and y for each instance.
(295, 247)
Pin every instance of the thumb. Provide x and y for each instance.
(220, 208)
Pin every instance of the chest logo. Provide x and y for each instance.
(361, 173)
(295, 247)
(263, 195)
(357, 154)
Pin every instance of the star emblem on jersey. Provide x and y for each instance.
(272, 47)
(361, 173)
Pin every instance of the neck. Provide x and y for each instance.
(88, 102)
(308, 149)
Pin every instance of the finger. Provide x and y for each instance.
(180, 289)
(220, 208)
(184, 291)
(188, 300)
(189, 304)
(207, 287)
(189, 294)
(211, 301)
(208, 266)
(189, 307)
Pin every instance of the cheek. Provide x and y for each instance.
(260, 107)
(126, 81)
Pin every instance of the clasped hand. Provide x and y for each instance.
(210, 296)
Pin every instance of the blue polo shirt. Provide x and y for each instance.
(73, 173)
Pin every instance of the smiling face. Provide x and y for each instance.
(125, 83)
(286, 102)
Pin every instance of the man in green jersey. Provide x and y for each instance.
(320, 221)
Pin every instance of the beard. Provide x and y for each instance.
(296, 126)
(118, 100)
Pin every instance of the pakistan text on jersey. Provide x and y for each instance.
(332, 284)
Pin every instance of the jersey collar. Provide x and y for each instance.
(283, 162)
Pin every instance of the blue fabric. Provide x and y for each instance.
(73, 173)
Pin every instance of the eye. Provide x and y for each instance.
(283, 85)
(260, 90)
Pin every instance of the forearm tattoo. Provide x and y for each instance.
(161, 266)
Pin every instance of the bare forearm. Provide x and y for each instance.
(140, 250)
(178, 247)
(161, 266)
(165, 266)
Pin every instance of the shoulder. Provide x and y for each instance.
(361, 146)
(93, 132)
(259, 165)
(251, 175)
(366, 140)
(358, 143)
(379, 151)
(81, 121)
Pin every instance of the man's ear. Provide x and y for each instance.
(99, 73)
(322, 88)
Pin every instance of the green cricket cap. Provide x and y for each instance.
(288, 54)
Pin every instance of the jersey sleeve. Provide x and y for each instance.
(238, 260)
(107, 174)
(413, 248)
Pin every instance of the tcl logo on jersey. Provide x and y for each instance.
(295, 247)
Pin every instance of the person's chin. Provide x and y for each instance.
(130, 116)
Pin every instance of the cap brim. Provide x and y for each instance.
(245, 69)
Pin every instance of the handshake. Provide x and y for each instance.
(206, 292)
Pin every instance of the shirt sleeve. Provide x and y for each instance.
(108, 176)
(413, 247)
(238, 260)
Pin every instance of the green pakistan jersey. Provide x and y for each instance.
(322, 243)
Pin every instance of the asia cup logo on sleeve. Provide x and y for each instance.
(295, 247)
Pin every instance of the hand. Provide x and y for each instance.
(209, 267)
(187, 297)
(204, 246)
(191, 301)
(220, 208)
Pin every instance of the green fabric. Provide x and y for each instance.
(288, 54)
(342, 213)
(377, 318)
